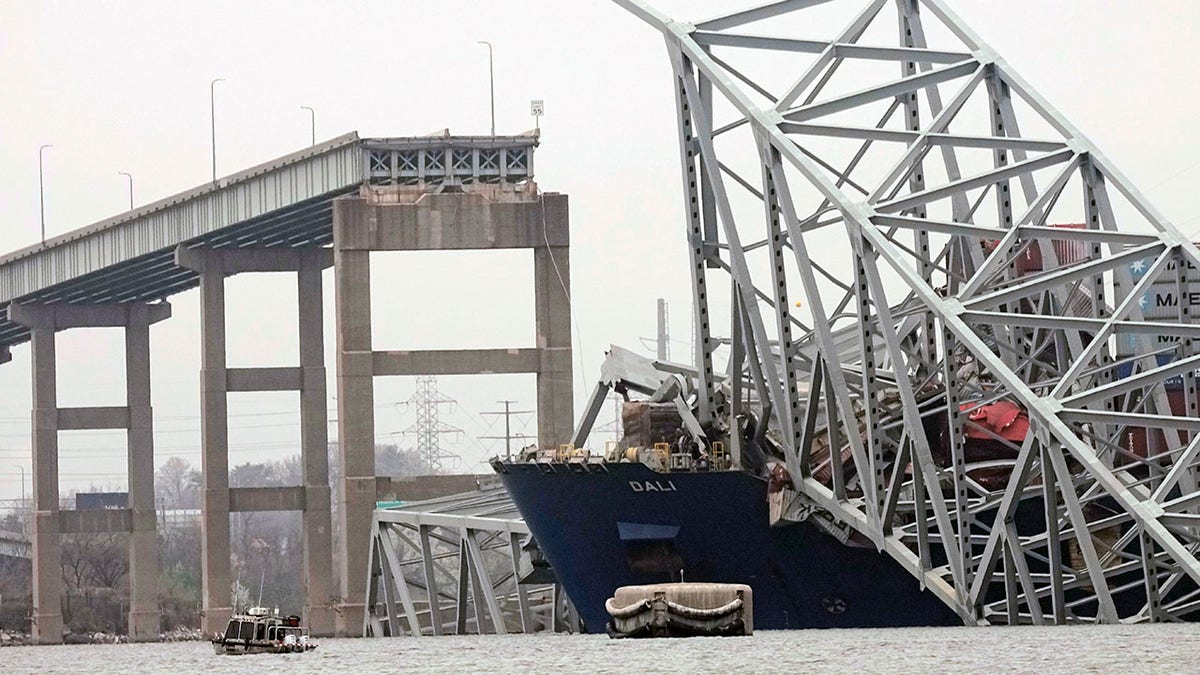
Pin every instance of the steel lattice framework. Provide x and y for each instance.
(428, 429)
(456, 565)
(904, 182)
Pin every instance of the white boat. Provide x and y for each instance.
(261, 631)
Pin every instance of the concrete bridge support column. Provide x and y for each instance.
(356, 428)
(136, 417)
(314, 443)
(312, 499)
(422, 218)
(47, 550)
(144, 615)
(215, 579)
(555, 386)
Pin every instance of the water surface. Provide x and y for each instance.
(1141, 649)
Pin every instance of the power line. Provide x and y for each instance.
(181, 418)
(617, 426)
(428, 429)
(163, 418)
(662, 340)
(508, 412)
(196, 430)
(1173, 176)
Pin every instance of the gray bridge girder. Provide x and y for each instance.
(283, 203)
(454, 566)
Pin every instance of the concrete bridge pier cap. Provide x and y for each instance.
(423, 217)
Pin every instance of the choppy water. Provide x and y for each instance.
(1139, 649)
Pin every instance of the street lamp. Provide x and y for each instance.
(312, 116)
(492, 82)
(130, 177)
(23, 509)
(42, 192)
(212, 108)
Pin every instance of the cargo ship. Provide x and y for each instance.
(653, 508)
(603, 525)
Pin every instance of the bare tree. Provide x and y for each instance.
(177, 484)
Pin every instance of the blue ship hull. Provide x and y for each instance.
(625, 525)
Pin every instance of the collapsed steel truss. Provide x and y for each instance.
(455, 566)
(907, 207)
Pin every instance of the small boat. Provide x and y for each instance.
(261, 631)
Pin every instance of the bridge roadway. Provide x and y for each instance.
(329, 205)
(283, 203)
(14, 545)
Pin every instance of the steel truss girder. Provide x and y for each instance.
(1119, 526)
(454, 566)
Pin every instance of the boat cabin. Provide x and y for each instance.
(259, 630)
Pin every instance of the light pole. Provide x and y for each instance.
(212, 109)
(130, 177)
(22, 468)
(507, 431)
(312, 117)
(42, 193)
(492, 82)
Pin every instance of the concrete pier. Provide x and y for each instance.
(438, 192)
(427, 218)
(312, 498)
(138, 518)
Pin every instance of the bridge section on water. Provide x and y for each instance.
(457, 565)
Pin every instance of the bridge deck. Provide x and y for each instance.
(285, 202)
(15, 545)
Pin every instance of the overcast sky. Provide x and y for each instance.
(125, 87)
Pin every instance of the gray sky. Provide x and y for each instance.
(124, 87)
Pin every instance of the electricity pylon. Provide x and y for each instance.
(428, 429)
